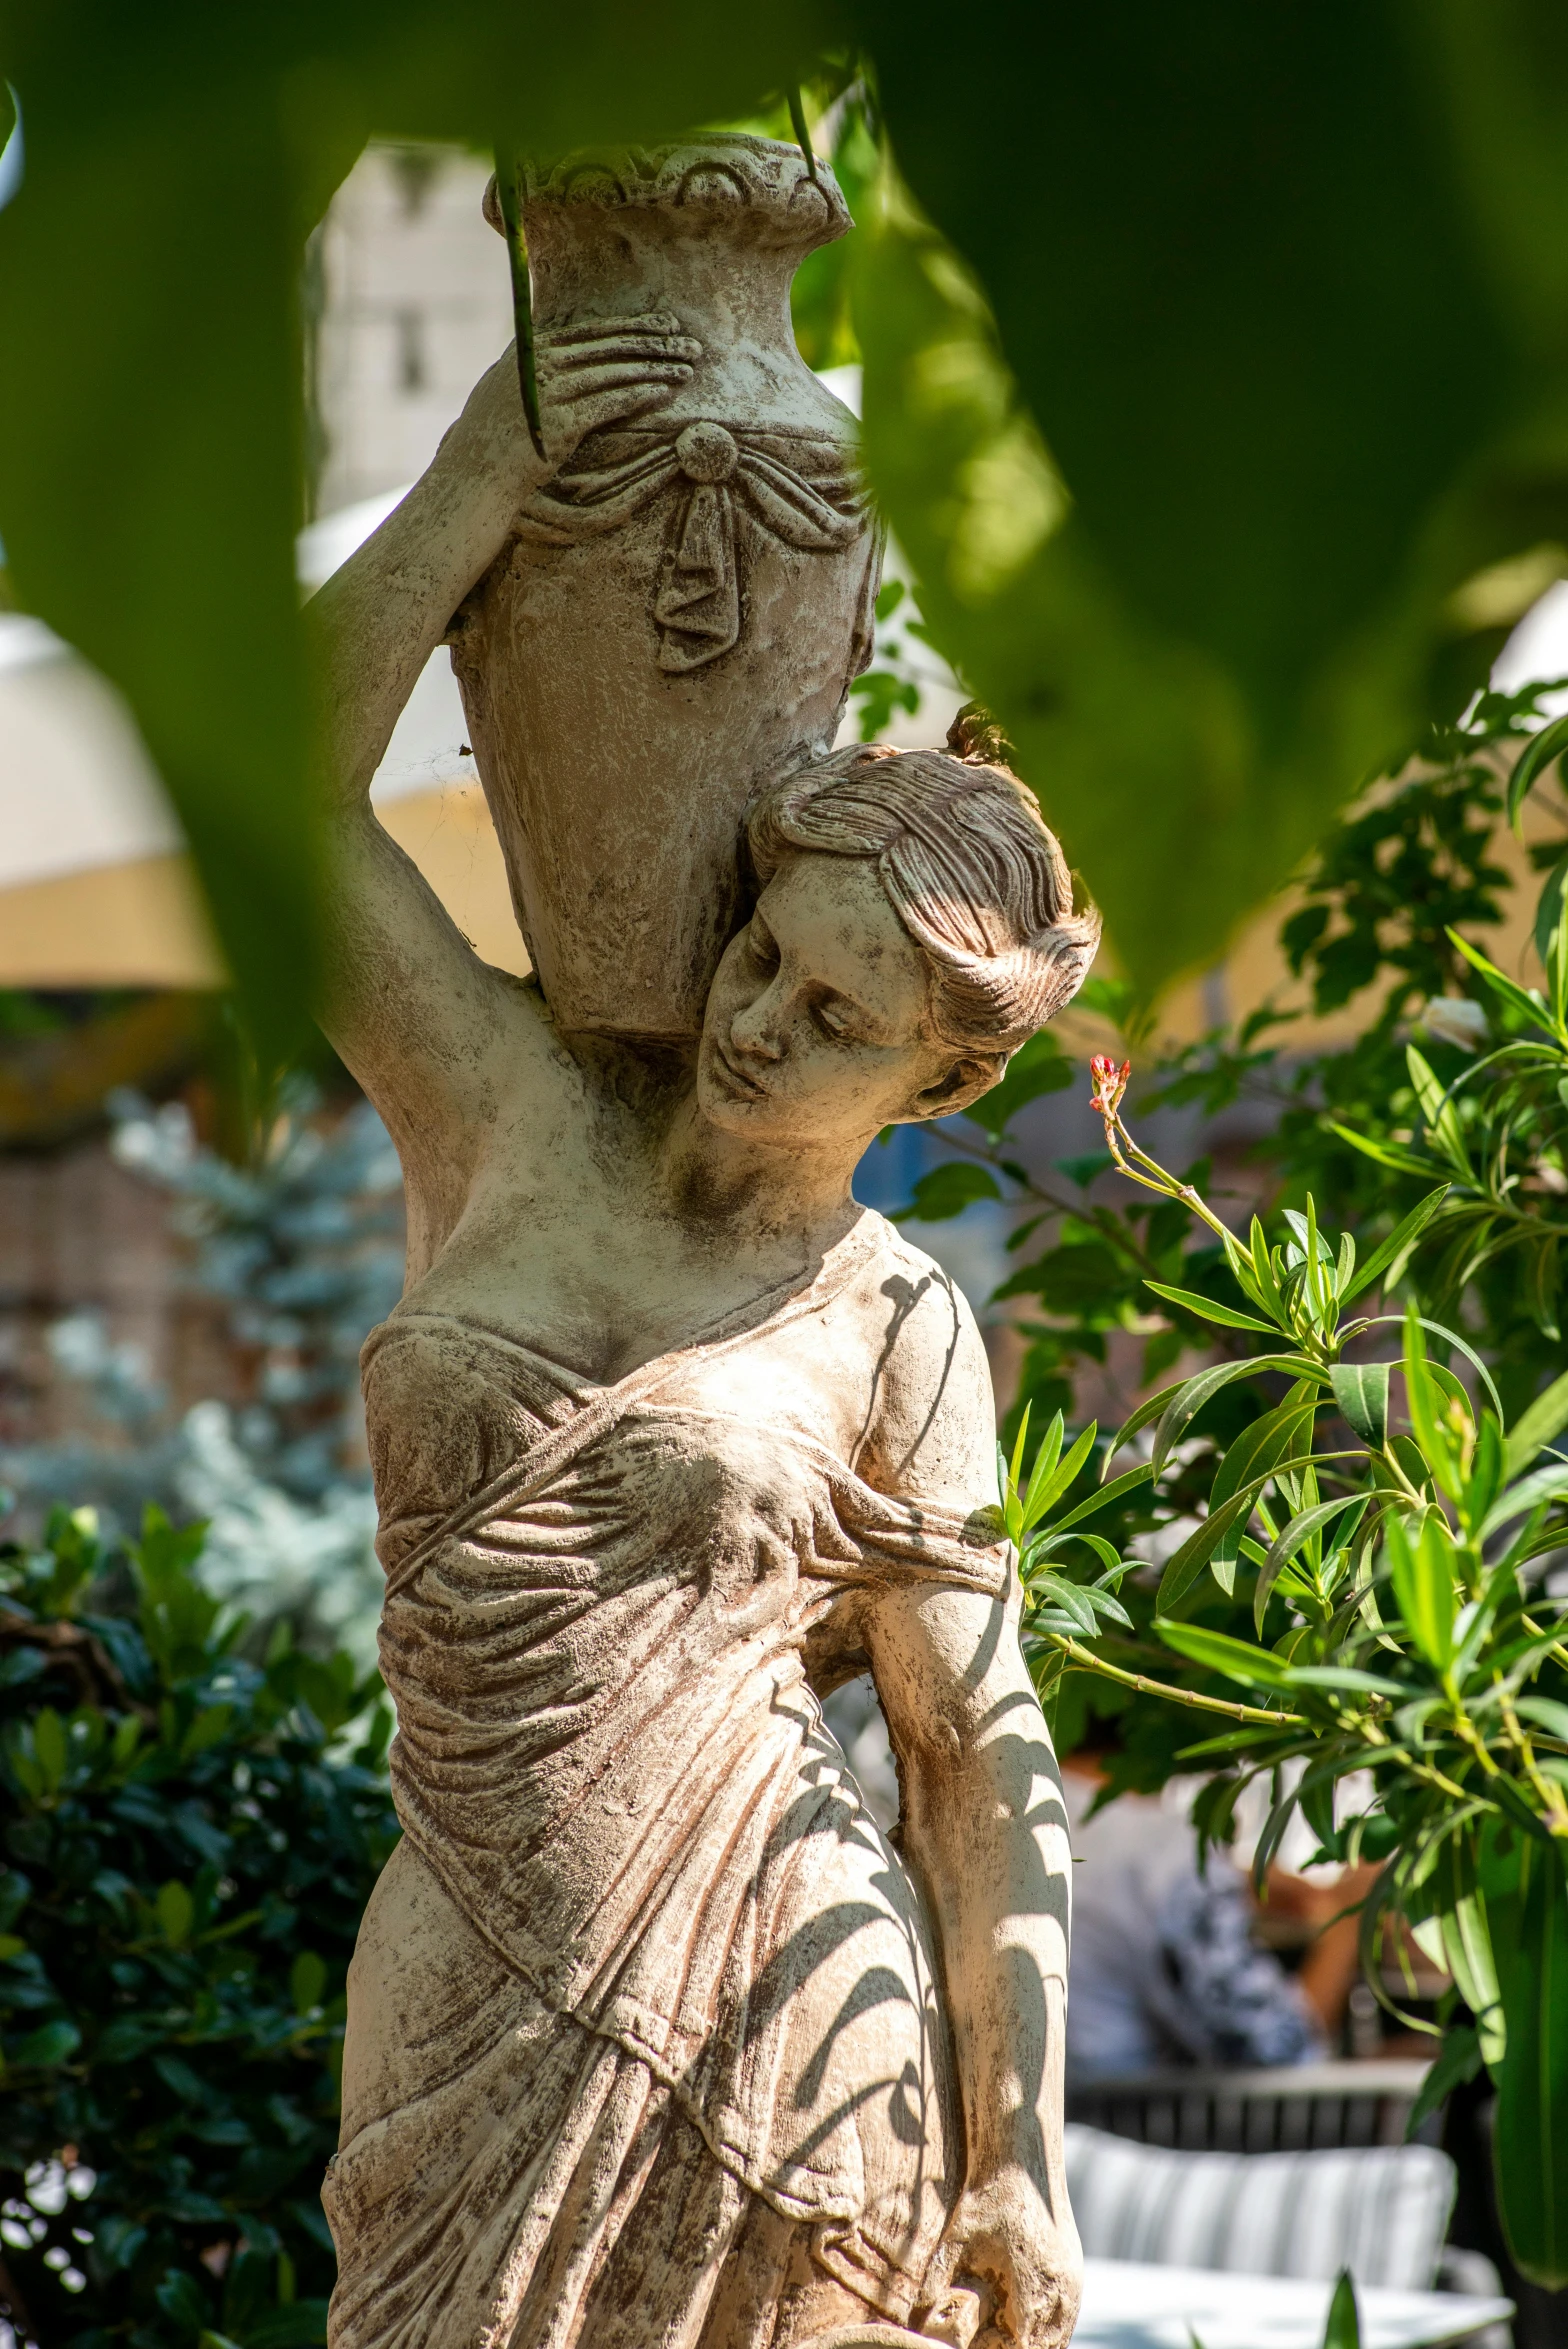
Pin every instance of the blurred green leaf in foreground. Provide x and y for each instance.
(1217, 384)
(1217, 414)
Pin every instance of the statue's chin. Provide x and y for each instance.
(753, 1118)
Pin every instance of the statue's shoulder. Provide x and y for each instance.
(933, 1420)
(909, 1276)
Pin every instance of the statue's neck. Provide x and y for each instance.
(755, 1194)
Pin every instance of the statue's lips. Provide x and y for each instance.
(733, 1080)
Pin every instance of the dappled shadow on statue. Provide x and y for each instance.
(654, 2037)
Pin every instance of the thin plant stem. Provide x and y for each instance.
(1087, 1661)
(797, 118)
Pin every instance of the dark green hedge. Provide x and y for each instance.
(188, 1841)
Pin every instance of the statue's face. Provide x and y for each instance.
(815, 1031)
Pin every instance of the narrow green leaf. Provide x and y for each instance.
(1107, 1493)
(1236, 1741)
(1345, 1266)
(1148, 1410)
(1300, 1529)
(1056, 1590)
(797, 123)
(1044, 1462)
(1386, 1153)
(1539, 753)
(1421, 1396)
(1343, 1676)
(1547, 1713)
(1544, 1283)
(1243, 1271)
(1450, 1337)
(1531, 2138)
(508, 174)
(1317, 1303)
(1536, 1426)
(1012, 1505)
(1263, 1264)
(1544, 1484)
(1438, 1112)
(1187, 1564)
(1423, 1577)
(1253, 1667)
(1466, 1942)
(1281, 1435)
(1458, 2061)
(1189, 1398)
(1343, 2329)
(1523, 1000)
(1400, 1241)
(1207, 1310)
(1061, 1480)
(1486, 1471)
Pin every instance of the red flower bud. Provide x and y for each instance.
(1107, 1083)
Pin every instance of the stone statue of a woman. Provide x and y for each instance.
(654, 2037)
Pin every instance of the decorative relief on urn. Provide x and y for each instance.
(691, 598)
(719, 486)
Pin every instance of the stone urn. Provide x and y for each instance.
(682, 609)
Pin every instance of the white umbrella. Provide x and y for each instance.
(95, 886)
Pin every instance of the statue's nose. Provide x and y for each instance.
(757, 1030)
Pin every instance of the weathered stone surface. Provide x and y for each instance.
(656, 2041)
(689, 597)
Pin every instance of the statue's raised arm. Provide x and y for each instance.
(414, 1012)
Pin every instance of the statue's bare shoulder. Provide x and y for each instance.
(930, 1430)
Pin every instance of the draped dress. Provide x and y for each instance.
(645, 2010)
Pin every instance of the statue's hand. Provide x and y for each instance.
(1005, 2261)
(589, 376)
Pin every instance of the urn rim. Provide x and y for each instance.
(764, 187)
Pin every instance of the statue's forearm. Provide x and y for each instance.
(985, 1829)
(379, 618)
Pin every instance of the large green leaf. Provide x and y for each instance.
(149, 406)
(1252, 295)
(1274, 286)
(150, 384)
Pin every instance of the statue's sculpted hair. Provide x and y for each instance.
(972, 872)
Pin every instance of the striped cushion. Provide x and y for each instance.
(1379, 2210)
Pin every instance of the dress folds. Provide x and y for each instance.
(645, 2011)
